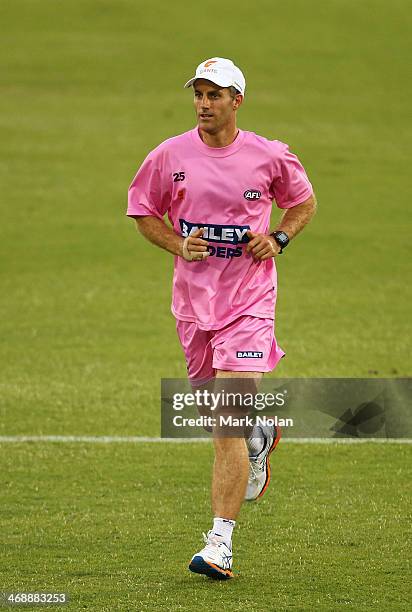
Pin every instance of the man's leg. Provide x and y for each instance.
(231, 465)
(230, 477)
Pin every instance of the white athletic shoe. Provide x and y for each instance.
(259, 465)
(214, 560)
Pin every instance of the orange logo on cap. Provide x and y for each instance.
(209, 63)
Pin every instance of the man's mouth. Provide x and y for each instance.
(205, 115)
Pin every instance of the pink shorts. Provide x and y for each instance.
(248, 344)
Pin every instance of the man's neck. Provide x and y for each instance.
(222, 138)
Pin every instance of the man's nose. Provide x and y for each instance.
(205, 102)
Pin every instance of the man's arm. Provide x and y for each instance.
(292, 222)
(156, 231)
(294, 219)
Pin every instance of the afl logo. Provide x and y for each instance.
(252, 194)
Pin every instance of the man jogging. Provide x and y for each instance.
(217, 184)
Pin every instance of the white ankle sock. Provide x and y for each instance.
(256, 441)
(224, 528)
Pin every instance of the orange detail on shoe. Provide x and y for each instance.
(219, 569)
(272, 448)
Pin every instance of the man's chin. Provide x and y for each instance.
(206, 127)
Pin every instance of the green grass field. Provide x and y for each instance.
(100, 523)
(87, 88)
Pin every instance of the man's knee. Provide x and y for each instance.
(224, 445)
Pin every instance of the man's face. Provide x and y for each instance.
(214, 106)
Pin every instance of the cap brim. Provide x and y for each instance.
(190, 82)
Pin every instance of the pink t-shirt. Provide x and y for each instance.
(227, 191)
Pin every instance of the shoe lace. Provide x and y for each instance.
(209, 538)
(253, 469)
(254, 465)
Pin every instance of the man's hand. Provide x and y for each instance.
(195, 248)
(262, 246)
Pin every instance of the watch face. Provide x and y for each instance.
(281, 238)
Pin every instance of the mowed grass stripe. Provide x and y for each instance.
(156, 440)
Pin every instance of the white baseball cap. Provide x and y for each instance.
(221, 71)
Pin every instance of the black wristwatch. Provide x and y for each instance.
(282, 239)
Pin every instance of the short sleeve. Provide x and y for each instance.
(291, 185)
(147, 194)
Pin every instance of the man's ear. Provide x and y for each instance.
(237, 101)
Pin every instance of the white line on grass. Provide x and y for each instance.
(140, 439)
